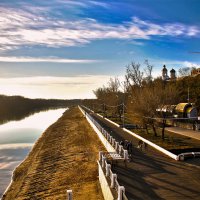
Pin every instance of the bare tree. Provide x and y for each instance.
(148, 71)
(134, 75)
(114, 85)
(185, 71)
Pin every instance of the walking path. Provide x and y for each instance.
(152, 175)
(185, 132)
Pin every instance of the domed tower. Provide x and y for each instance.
(172, 74)
(164, 73)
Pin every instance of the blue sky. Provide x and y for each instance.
(67, 48)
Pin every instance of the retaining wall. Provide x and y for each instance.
(107, 194)
(107, 145)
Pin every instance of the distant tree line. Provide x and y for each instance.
(17, 107)
(141, 94)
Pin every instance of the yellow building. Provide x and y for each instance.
(186, 110)
(195, 72)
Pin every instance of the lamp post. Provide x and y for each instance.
(123, 113)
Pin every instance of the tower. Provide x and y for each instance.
(164, 73)
(172, 74)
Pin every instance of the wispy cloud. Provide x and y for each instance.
(84, 4)
(179, 63)
(47, 59)
(19, 27)
(14, 146)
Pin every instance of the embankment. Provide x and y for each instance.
(64, 157)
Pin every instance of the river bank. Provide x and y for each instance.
(17, 139)
(64, 157)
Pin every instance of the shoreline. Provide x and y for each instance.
(23, 172)
(13, 154)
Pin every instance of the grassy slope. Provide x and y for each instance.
(63, 158)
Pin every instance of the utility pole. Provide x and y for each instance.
(104, 106)
(123, 113)
(123, 103)
(188, 95)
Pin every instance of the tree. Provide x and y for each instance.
(148, 94)
(185, 71)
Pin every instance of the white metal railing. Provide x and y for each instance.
(112, 176)
(184, 156)
(69, 195)
(119, 148)
(122, 154)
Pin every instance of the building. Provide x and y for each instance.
(195, 72)
(181, 110)
(165, 76)
(186, 110)
(172, 74)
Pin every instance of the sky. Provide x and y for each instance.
(66, 48)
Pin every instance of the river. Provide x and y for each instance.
(17, 139)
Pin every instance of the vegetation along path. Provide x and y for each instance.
(151, 174)
(63, 158)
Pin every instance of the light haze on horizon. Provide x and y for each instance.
(65, 49)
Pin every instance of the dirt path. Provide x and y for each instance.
(63, 158)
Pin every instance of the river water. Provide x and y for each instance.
(17, 139)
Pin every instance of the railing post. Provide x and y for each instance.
(113, 142)
(125, 154)
(110, 139)
(108, 167)
(120, 149)
(69, 194)
(103, 161)
(121, 189)
(114, 176)
(100, 156)
(116, 145)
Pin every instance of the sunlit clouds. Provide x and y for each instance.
(67, 48)
(44, 59)
(53, 87)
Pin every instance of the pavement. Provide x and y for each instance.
(185, 132)
(152, 175)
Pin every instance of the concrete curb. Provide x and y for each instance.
(155, 146)
(104, 141)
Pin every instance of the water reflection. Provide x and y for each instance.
(18, 137)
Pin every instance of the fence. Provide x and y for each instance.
(104, 166)
(119, 151)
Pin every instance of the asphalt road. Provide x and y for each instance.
(151, 174)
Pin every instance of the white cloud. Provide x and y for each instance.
(53, 87)
(15, 146)
(190, 64)
(19, 27)
(48, 59)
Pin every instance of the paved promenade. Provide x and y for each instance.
(152, 175)
(185, 132)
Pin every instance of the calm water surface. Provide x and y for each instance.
(17, 139)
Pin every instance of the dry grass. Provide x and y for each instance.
(63, 158)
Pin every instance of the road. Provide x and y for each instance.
(151, 174)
